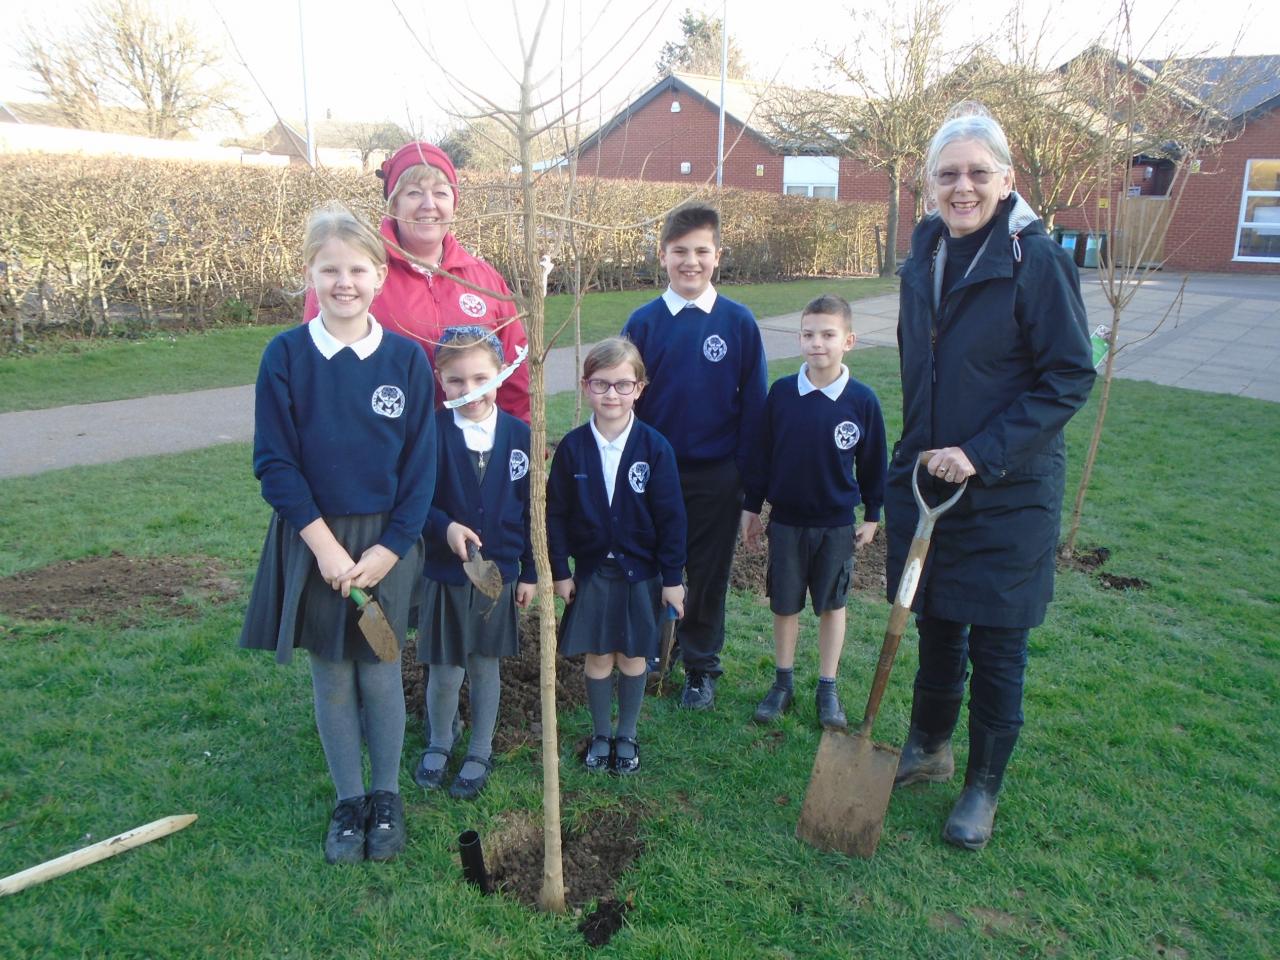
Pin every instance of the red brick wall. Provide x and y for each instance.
(1202, 235)
(652, 144)
(868, 185)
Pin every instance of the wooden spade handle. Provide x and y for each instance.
(94, 852)
(897, 625)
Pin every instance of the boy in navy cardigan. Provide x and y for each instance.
(822, 453)
(707, 385)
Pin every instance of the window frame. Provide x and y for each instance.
(1241, 224)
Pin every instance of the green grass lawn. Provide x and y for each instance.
(86, 371)
(1139, 817)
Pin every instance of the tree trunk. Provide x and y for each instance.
(1086, 472)
(890, 265)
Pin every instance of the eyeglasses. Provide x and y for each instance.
(624, 388)
(979, 176)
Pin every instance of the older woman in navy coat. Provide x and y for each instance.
(995, 358)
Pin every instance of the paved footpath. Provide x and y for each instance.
(1224, 339)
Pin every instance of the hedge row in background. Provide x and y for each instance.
(91, 245)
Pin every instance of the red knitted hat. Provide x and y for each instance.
(412, 154)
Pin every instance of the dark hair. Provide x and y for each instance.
(686, 219)
(830, 304)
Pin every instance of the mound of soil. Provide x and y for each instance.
(115, 588)
(750, 566)
(595, 856)
(520, 709)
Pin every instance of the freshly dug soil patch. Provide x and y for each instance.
(750, 566)
(115, 588)
(599, 926)
(1113, 582)
(520, 710)
(595, 856)
(1091, 560)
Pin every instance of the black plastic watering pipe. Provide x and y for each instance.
(472, 856)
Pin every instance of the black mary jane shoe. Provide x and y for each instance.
(431, 779)
(596, 763)
(624, 766)
(468, 788)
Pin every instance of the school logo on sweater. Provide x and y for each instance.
(638, 476)
(847, 434)
(714, 348)
(518, 465)
(472, 305)
(388, 401)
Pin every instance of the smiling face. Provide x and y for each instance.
(612, 409)
(968, 186)
(467, 371)
(345, 279)
(824, 340)
(423, 211)
(690, 260)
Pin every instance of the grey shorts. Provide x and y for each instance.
(813, 560)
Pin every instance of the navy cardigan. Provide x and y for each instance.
(644, 527)
(496, 508)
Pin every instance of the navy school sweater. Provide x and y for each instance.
(496, 508)
(644, 527)
(707, 378)
(346, 436)
(819, 458)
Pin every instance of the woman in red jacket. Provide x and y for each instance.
(421, 188)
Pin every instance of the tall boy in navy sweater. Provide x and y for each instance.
(707, 385)
(822, 453)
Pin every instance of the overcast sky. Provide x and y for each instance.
(363, 62)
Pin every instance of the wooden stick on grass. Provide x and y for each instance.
(94, 852)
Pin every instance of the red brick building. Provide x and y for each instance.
(670, 133)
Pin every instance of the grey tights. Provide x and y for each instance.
(342, 689)
(443, 685)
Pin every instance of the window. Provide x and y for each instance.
(1258, 231)
(811, 176)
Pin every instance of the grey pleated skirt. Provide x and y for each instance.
(291, 605)
(455, 621)
(611, 615)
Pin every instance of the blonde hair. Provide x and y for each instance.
(418, 173)
(333, 220)
(611, 353)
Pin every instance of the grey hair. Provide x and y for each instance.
(974, 123)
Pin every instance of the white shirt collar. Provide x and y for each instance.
(675, 303)
(617, 443)
(832, 390)
(478, 434)
(329, 345)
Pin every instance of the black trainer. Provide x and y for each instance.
(699, 691)
(775, 703)
(384, 835)
(344, 840)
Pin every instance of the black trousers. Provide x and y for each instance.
(999, 658)
(713, 502)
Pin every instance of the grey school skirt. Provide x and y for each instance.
(291, 605)
(611, 615)
(455, 621)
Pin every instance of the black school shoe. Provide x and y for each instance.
(468, 788)
(599, 763)
(775, 703)
(699, 691)
(431, 779)
(344, 840)
(830, 715)
(384, 834)
(624, 766)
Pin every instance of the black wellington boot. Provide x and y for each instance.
(926, 756)
(974, 814)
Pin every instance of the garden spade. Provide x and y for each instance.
(373, 624)
(666, 641)
(852, 777)
(483, 574)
